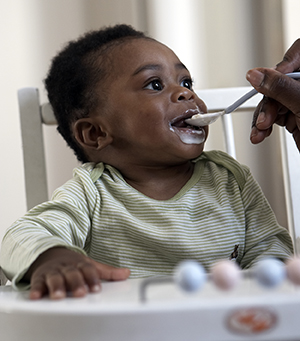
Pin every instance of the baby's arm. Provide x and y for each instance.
(60, 271)
(264, 236)
(47, 247)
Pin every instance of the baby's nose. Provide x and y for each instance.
(183, 94)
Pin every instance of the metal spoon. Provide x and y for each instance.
(208, 118)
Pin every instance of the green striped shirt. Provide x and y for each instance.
(99, 214)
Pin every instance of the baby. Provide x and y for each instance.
(146, 195)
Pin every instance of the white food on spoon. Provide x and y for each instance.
(202, 120)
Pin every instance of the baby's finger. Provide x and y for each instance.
(111, 273)
(90, 275)
(56, 285)
(74, 281)
(38, 288)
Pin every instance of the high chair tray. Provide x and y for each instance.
(116, 313)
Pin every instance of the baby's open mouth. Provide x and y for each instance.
(187, 133)
(181, 124)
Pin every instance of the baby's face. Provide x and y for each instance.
(148, 97)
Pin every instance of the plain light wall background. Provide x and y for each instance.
(218, 40)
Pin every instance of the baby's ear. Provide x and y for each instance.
(90, 135)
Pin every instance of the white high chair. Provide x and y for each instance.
(33, 115)
(117, 312)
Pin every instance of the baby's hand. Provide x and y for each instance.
(59, 271)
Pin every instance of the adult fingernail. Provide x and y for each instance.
(261, 117)
(253, 132)
(255, 77)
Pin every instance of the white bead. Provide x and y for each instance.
(226, 274)
(293, 270)
(270, 272)
(189, 275)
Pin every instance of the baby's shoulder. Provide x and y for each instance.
(89, 171)
(223, 160)
(82, 182)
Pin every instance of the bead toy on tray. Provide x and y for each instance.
(190, 275)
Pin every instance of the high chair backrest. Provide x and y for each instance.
(291, 172)
(33, 115)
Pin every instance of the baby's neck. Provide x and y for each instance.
(159, 183)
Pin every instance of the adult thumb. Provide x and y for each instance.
(276, 85)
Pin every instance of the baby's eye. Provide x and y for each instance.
(156, 84)
(187, 83)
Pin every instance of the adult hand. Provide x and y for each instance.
(281, 103)
(59, 271)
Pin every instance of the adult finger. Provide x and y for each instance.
(266, 113)
(291, 59)
(258, 136)
(278, 86)
(296, 136)
(263, 119)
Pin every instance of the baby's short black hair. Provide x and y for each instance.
(74, 74)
